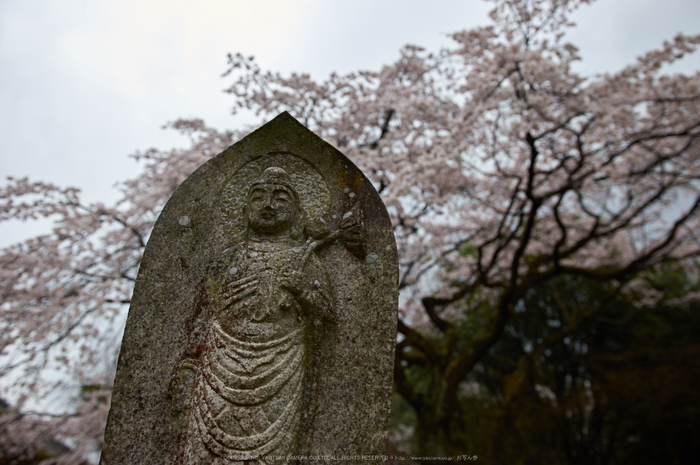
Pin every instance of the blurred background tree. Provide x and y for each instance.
(547, 230)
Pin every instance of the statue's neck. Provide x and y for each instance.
(255, 236)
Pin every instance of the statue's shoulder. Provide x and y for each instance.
(228, 256)
(233, 250)
(315, 262)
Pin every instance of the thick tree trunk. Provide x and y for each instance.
(429, 436)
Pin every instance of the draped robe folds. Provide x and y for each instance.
(249, 387)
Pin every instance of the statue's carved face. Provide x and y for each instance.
(272, 209)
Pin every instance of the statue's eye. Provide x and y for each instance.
(257, 195)
(282, 196)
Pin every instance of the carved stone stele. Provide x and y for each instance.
(263, 322)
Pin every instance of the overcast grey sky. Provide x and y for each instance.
(84, 83)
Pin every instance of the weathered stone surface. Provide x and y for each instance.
(263, 322)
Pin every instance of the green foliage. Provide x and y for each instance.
(563, 385)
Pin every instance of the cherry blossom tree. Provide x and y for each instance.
(504, 172)
(65, 294)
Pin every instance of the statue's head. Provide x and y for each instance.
(272, 203)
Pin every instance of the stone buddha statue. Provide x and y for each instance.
(249, 347)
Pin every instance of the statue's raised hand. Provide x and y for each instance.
(292, 281)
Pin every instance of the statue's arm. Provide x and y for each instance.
(320, 291)
(185, 371)
(311, 288)
(197, 325)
